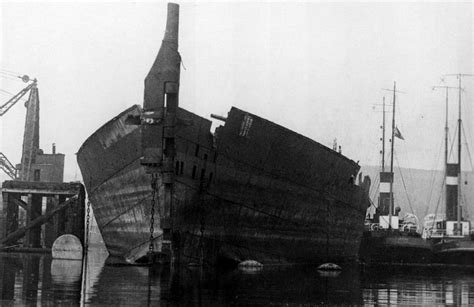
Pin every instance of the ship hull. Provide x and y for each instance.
(385, 247)
(454, 251)
(252, 191)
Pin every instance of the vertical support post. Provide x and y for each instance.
(33, 235)
(10, 213)
(74, 215)
(29, 206)
(49, 226)
(80, 212)
(61, 217)
(56, 217)
(37, 206)
(69, 218)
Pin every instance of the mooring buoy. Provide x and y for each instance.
(329, 267)
(67, 247)
(250, 266)
(329, 270)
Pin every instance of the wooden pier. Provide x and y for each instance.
(36, 213)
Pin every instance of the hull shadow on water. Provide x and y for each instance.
(27, 279)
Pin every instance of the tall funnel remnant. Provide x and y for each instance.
(158, 122)
(161, 95)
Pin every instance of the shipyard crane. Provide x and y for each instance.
(5, 164)
(10, 103)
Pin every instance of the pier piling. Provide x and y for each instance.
(50, 210)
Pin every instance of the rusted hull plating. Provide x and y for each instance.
(253, 190)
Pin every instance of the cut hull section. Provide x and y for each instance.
(252, 191)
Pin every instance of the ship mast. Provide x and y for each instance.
(385, 177)
(446, 144)
(458, 203)
(386, 199)
(459, 162)
(383, 135)
(446, 134)
(391, 158)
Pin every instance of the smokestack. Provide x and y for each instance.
(161, 91)
(384, 193)
(452, 170)
(54, 148)
(172, 24)
(166, 68)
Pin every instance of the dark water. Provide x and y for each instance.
(27, 279)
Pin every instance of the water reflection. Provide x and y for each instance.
(92, 269)
(20, 279)
(27, 279)
(66, 280)
(419, 286)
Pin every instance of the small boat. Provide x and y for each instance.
(388, 238)
(451, 234)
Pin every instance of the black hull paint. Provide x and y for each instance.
(260, 192)
(397, 248)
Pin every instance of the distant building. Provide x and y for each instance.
(46, 168)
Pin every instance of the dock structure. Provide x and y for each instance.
(37, 205)
(49, 210)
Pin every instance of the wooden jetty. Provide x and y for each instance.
(37, 205)
(63, 213)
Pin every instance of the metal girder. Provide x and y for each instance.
(10, 103)
(7, 166)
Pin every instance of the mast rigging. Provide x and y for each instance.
(459, 180)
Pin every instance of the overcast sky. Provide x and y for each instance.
(317, 68)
